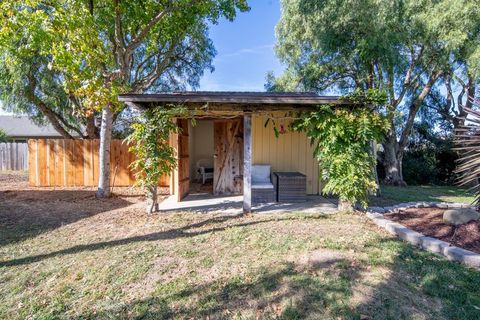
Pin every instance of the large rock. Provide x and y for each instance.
(460, 216)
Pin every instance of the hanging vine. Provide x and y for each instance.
(342, 138)
(149, 141)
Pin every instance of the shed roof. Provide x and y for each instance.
(23, 127)
(232, 99)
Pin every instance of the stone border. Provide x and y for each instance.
(430, 244)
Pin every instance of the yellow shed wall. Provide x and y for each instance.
(289, 152)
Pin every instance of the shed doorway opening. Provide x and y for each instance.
(215, 161)
(202, 157)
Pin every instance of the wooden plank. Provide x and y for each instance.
(24, 164)
(32, 168)
(51, 163)
(247, 163)
(58, 163)
(78, 163)
(218, 134)
(88, 163)
(180, 183)
(13, 156)
(42, 162)
(228, 161)
(8, 157)
(66, 162)
(131, 172)
(69, 163)
(3, 166)
(173, 140)
(96, 161)
(183, 160)
(2, 156)
(114, 162)
(123, 171)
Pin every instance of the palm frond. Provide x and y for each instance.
(467, 144)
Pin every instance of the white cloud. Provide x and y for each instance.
(245, 51)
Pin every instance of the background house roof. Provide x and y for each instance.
(233, 98)
(22, 127)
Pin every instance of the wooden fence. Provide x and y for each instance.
(68, 163)
(13, 156)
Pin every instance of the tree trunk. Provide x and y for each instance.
(373, 145)
(392, 161)
(50, 115)
(394, 149)
(103, 190)
(345, 206)
(90, 128)
(152, 199)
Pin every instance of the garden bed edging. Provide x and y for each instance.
(445, 249)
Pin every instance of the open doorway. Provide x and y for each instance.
(215, 149)
(201, 149)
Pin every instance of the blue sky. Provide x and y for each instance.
(244, 49)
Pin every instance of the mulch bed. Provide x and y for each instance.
(429, 221)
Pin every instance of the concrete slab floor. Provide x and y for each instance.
(202, 203)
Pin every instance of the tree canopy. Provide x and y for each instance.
(402, 48)
(101, 48)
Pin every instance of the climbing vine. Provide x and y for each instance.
(342, 137)
(149, 141)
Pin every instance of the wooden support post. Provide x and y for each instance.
(247, 162)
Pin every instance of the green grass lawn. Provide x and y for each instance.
(71, 256)
(392, 195)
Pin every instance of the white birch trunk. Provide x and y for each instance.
(103, 190)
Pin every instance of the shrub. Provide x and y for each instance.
(3, 136)
(342, 138)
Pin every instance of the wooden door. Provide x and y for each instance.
(228, 158)
(182, 172)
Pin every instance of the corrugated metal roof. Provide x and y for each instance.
(265, 98)
(22, 127)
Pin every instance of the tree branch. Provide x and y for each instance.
(407, 82)
(157, 72)
(414, 109)
(119, 41)
(135, 42)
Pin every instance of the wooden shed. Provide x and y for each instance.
(236, 130)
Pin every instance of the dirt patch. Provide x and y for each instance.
(320, 259)
(29, 211)
(429, 221)
(13, 180)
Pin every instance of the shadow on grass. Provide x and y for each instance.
(182, 232)
(28, 213)
(288, 292)
(420, 286)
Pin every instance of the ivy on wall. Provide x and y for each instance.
(342, 138)
(149, 142)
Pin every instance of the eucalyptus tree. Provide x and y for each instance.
(457, 24)
(399, 47)
(107, 47)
